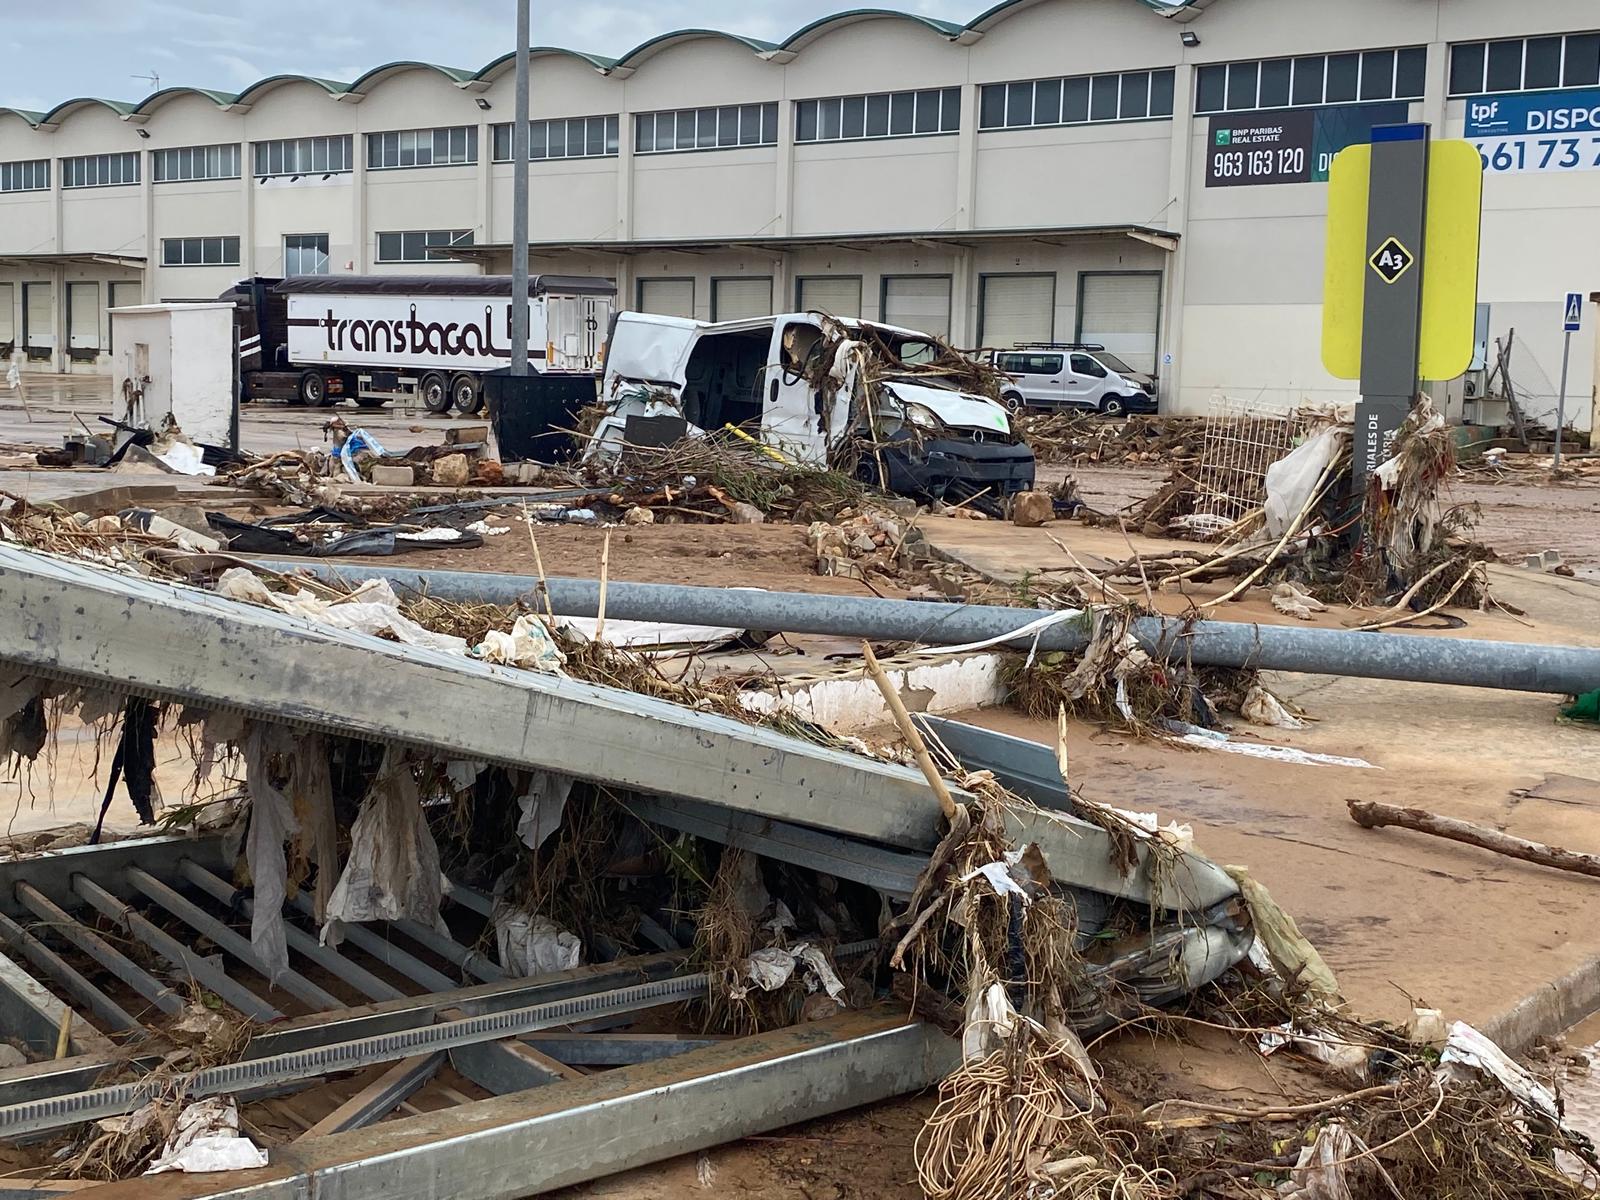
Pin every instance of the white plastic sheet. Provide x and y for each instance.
(393, 869)
(1467, 1049)
(543, 801)
(205, 1139)
(528, 645)
(770, 968)
(1290, 480)
(533, 945)
(272, 823)
(371, 608)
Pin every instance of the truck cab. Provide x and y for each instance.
(1081, 375)
(818, 390)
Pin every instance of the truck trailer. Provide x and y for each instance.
(319, 339)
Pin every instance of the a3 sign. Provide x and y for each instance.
(1391, 260)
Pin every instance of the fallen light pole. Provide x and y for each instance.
(1512, 666)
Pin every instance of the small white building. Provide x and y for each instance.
(1051, 170)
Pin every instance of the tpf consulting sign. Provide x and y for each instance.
(1536, 131)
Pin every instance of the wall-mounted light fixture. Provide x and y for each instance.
(1189, 38)
(482, 103)
(142, 132)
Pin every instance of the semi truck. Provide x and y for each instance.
(320, 339)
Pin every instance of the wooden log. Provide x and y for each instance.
(1371, 814)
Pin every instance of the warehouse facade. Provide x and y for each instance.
(1145, 175)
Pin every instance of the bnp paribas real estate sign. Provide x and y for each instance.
(1541, 132)
(1290, 145)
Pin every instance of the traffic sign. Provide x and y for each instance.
(1391, 260)
(1449, 267)
(1572, 313)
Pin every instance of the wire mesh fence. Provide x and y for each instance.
(1242, 439)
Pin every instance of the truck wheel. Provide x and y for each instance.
(434, 389)
(313, 390)
(466, 393)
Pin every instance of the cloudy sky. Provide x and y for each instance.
(52, 52)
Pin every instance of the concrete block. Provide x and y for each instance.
(452, 470)
(1032, 509)
(457, 434)
(394, 476)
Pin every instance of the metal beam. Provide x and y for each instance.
(29, 1013)
(569, 1133)
(616, 1049)
(256, 660)
(107, 1011)
(100, 950)
(385, 951)
(380, 1097)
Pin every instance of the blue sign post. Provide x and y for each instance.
(1571, 322)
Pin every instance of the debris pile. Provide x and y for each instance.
(1080, 438)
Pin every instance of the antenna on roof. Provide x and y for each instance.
(152, 79)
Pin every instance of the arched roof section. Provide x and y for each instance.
(805, 35)
(377, 75)
(990, 17)
(120, 107)
(262, 86)
(647, 50)
(23, 114)
(494, 66)
(156, 99)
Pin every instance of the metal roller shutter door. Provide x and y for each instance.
(836, 295)
(83, 313)
(920, 302)
(667, 297)
(734, 299)
(1122, 312)
(1018, 310)
(8, 313)
(40, 315)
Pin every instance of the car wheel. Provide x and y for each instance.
(1114, 406)
(434, 389)
(466, 394)
(1012, 401)
(313, 390)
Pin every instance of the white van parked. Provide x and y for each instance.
(1056, 375)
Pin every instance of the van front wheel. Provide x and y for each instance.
(1114, 406)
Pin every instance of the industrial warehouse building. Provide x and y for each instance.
(1053, 170)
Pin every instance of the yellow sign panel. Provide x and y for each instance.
(1449, 270)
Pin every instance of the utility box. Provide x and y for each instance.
(176, 361)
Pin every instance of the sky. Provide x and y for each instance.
(54, 52)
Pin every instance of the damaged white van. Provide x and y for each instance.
(893, 406)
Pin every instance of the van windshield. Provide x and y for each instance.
(1112, 361)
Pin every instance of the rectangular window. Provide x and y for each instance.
(200, 252)
(1525, 64)
(448, 146)
(564, 137)
(709, 128)
(1317, 79)
(421, 246)
(195, 162)
(1075, 100)
(1377, 75)
(311, 156)
(305, 254)
(100, 170)
(884, 114)
(30, 176)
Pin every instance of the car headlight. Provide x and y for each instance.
(922, 417)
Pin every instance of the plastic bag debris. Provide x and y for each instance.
(770, 968)
(1468, 1050)
(1321, 1173)
(1261, 707)
(371, 608)
(543, 800)
(186, 459)
(1293, 602)
(1289, 480)
(272, 823)
(528, 645)
(533, 945)
(1291, 953)
(990, 1021)
(393, 871)
(484, 529)
(206, 1138)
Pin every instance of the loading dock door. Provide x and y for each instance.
(8, 318)
(734, 299)
(1121, 310)
(1016, 310)
(836, 295)
(83, 317)
(38, 319)
(920, 302)
(667, 297)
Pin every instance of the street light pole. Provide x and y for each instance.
(519, 202)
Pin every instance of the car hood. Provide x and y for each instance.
(959, 410)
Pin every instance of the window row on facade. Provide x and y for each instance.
(1312, 80)
(1525, 64)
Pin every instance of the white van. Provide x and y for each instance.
(790, 382)
(1056, 375)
